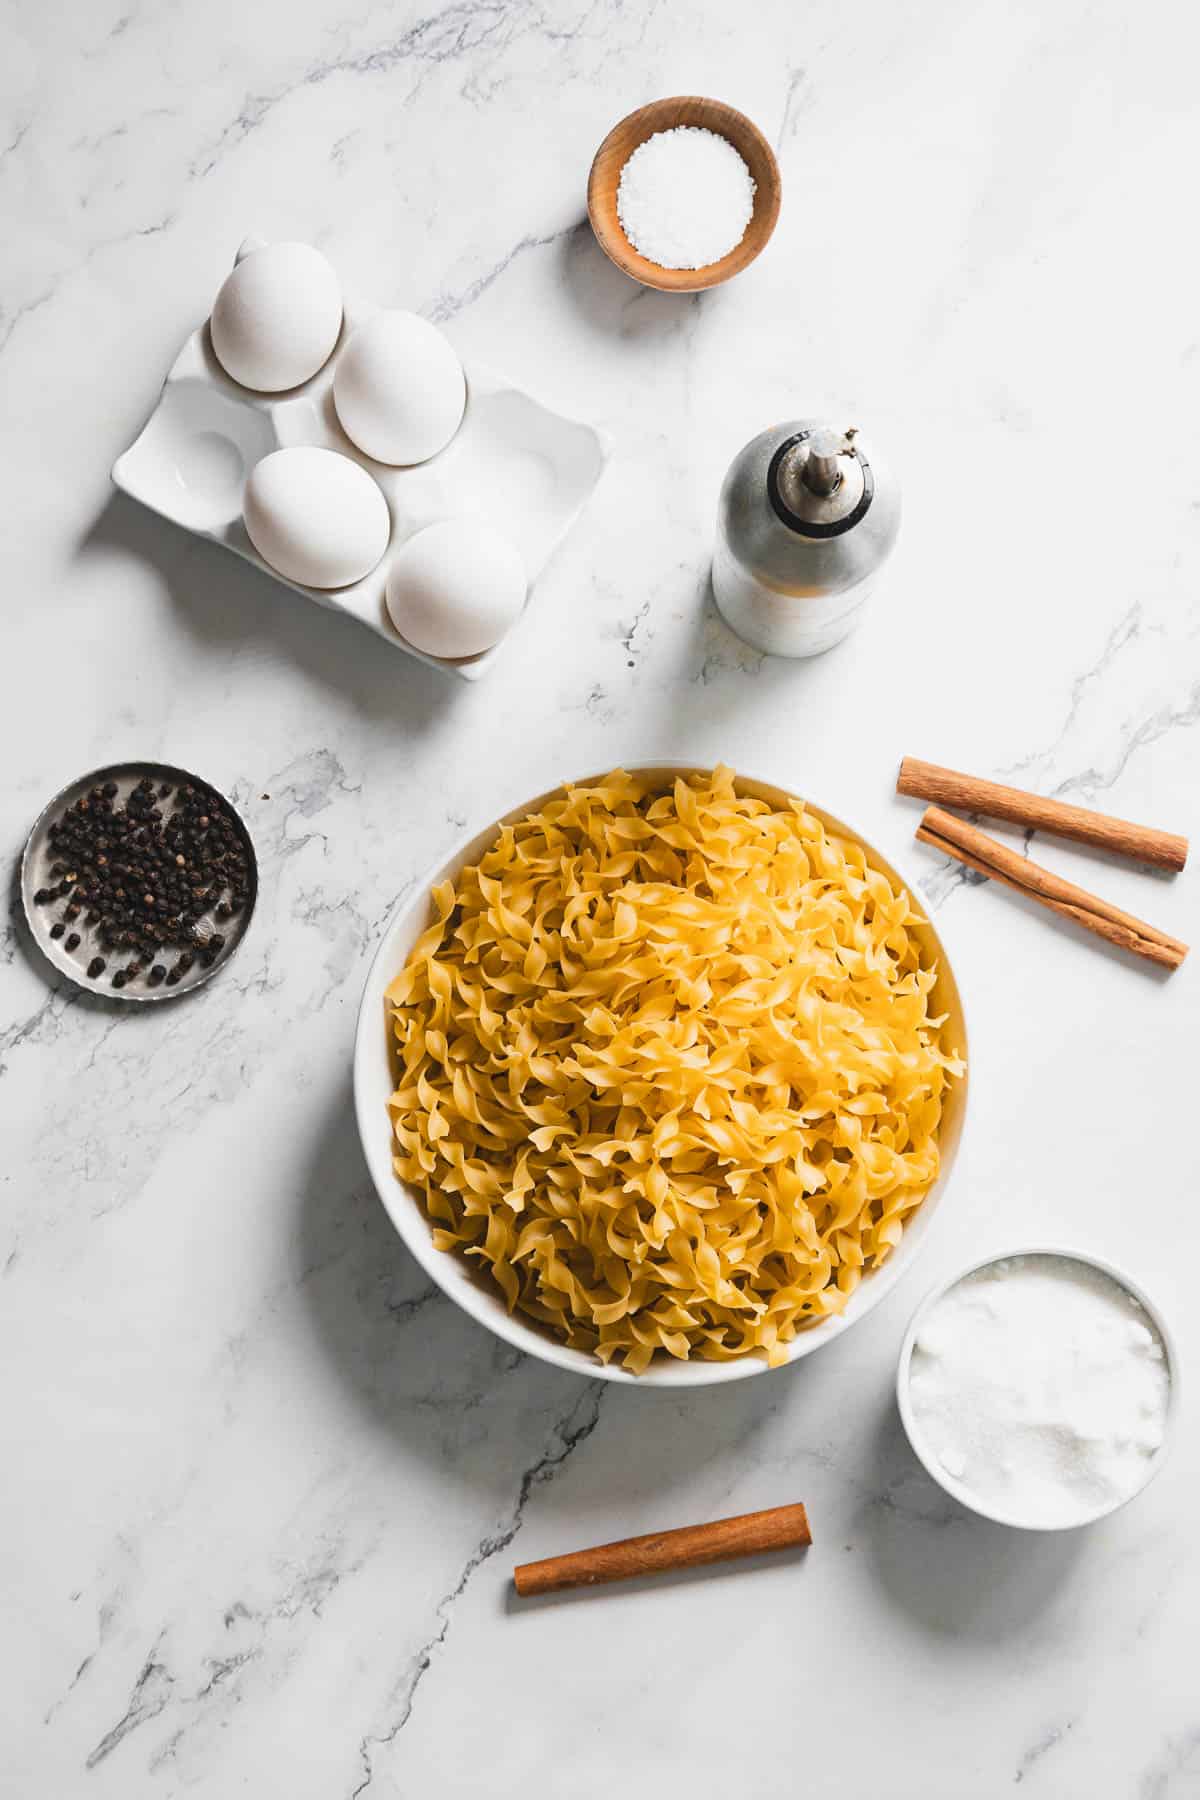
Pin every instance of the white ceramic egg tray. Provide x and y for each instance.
(524, 469)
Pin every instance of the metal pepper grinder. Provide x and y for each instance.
(806, 520)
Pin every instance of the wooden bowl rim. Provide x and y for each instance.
(737, 129)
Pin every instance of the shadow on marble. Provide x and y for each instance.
(442, 1387)
(718, 672)
(954, 1574)
(222, 601)
(613, 303)
(408, 1359)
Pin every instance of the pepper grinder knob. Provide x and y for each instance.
(822, 472)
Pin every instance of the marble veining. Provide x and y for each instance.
(264, 1486)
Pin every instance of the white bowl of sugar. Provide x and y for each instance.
(1039, 1388)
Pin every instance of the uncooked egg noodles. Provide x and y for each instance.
(665, 1068)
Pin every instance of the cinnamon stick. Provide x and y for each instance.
(749, 1534)
(947, 787)
(954, 837)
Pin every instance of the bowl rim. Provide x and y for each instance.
(443, 1268)
(681, 281)
(957, 1490)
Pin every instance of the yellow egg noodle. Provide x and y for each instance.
(664, 1066)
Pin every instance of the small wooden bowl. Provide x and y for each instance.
(619, 146)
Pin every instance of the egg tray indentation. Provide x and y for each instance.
(526, 470)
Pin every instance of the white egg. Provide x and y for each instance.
(315, 516)
(277, 317)
(399, 389)
(456, 588)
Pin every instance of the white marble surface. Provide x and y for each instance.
(262, 1490)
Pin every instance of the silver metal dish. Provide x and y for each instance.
(39, 854)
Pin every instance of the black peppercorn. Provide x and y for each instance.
(57, 929)
(152, 876)
(96, 967)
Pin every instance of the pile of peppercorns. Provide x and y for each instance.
(144, 878)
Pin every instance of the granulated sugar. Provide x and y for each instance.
(1040, 1386)
(685, 198)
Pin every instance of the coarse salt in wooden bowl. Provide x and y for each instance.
(628, 136)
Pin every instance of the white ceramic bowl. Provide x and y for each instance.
(373, 1084)
(956, 1489)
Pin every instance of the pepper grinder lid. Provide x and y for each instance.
(819, 482)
